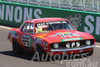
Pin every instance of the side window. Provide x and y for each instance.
(28, 28)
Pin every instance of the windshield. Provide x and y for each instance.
(51, 26)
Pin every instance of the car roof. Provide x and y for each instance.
(45, 20)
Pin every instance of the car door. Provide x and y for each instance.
(27, 32)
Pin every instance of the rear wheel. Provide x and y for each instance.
(16, 48)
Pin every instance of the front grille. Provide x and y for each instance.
(62, 45)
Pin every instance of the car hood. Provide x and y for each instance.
(63, 35)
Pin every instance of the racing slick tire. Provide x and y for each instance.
(43, 56)
(16, 48)
(90, 53)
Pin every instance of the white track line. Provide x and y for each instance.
(5, 27)
(97, 46)
(10, 28)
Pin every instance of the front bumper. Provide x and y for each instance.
(57, 50)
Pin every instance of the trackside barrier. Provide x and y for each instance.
(14, 14)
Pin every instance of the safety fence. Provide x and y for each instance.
(83, 5)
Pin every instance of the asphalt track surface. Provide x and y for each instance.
(8, 59)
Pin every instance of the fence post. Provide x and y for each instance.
(84, 4)
(28, 1)
(93, 4)
(59, 3)
(98, 5)
(50, 3)
(71, 4)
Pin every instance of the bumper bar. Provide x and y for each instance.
(55, 50)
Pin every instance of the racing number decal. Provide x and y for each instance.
(26, 40)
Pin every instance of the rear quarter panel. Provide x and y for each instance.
(15, 34)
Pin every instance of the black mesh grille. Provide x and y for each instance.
(63, 44)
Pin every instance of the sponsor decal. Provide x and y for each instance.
(64, 34)
(71, 39)
(33, 44)
(48, 23)
(13, 34)
(37, 40)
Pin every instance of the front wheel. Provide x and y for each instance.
(43, 56)
(90, 53)
(16, 48)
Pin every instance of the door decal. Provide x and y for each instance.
(26, 41)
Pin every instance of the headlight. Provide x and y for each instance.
(77, 44)
(68, 45)
(88, 42)
(56, 45)
(73, 44)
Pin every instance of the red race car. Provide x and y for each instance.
(51, 36)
